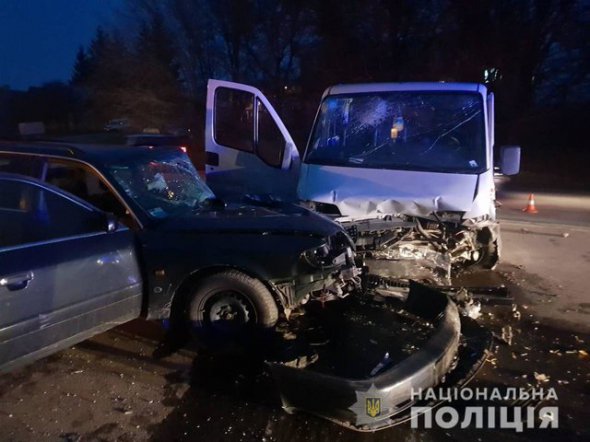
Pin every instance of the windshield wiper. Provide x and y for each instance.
(461, 123)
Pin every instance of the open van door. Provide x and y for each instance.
(249, 150)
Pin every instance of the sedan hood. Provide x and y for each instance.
(283, 219)
(360, 193)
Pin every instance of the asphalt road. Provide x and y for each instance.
(553, 208)
(111, 388)
(553, 248)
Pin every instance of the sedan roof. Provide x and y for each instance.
(103, 153)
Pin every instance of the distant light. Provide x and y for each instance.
(491, 74)
(183, 148)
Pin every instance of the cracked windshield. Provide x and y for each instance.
(401, 130)
(166, 186)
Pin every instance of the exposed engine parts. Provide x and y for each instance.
(441, 247)
(342, 284)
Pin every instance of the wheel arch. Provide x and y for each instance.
(179, 296)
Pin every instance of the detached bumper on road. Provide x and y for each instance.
(385, 399)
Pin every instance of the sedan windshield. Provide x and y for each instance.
(163, 185)
(435, 131)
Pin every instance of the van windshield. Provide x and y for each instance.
(433, 131)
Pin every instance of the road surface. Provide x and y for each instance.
(553, 248)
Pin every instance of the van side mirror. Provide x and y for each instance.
(510, 160)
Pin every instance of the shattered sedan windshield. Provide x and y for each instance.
(164, 184)
(434, 131)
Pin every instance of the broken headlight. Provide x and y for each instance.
(318, 257)
(326, 256)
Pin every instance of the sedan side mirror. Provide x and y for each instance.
(510, 160)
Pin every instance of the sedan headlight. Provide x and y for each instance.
(318, 257)
(326, 256)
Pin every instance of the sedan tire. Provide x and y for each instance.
(229, 302)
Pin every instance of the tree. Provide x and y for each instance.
(306, 45)
(82, 67)
(136, 80)
(54, 103)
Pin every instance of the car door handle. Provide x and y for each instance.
(15, 282)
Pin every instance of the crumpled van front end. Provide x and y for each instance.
(408, 169)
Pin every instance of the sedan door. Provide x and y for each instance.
(67, 271)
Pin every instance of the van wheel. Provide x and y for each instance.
(229, 303)
(489, 256)
(489, 249)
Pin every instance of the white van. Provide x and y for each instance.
(408, 168)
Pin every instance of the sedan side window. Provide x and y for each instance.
(30, 213)
(85, 184)
(21, 164)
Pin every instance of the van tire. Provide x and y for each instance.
(489, 241)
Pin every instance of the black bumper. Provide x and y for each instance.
(385, 399)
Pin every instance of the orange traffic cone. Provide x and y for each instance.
(530, 207)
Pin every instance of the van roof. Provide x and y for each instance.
(398, 87)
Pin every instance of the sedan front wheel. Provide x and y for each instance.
(230, 302)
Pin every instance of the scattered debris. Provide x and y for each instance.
(302, 361)
(507, 334)
(515, 312)
(464, 300)
(472, 309)
(70, 437)
(541, 377)
(289, 336)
